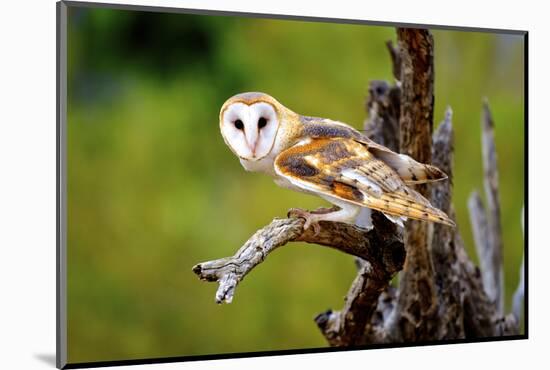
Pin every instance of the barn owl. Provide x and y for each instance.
(326, 158)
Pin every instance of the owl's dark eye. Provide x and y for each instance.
(239, 124)
(262, 122)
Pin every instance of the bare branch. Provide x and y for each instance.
(446, 269)
(442, 158)
(231, 270)
(478, 220)
(383, 106)
(396, 60)
(480, 230)
(493, 207)
(486, 226)
(380, 247)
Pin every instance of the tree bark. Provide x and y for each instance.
(416, 301)
(493, 276)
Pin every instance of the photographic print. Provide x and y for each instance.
(239, 184)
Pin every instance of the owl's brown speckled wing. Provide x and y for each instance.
(346, 169)
(410, 171)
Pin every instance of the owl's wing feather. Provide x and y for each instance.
(410, 171)
(346, 169)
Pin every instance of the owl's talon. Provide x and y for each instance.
(311, 221)
(316, 227)
(311, 218)
(294, 212)
(298, 213)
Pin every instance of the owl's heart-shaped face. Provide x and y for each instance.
(249, 129)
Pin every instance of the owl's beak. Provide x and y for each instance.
(252, 142)
(253, 149)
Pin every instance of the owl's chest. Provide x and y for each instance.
(264, 165)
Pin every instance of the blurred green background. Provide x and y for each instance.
(153, 189)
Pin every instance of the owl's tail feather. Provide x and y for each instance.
(410, 171)
(401, 206)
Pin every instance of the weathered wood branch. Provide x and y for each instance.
(383, 106)
(442, 157)
(395, 58)
(484, 289)
(230, 271)
(380, 247)
(416, 301)
(493, 274)
(449, 322)
(478, 221)
(486, 226)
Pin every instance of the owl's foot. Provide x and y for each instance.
(313, 217)
(346, 213)
(310, 217)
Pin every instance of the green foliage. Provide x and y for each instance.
(153, 190)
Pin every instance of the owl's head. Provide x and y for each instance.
(249, 124)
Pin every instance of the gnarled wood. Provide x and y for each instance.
(383, 106)
(478, 221)
(347, 327)
(381, 247)
(395, 59)
(493, 275)
(450, 316)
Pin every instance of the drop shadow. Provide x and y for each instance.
(47, 358)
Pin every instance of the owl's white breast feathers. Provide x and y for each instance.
(264, 165)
